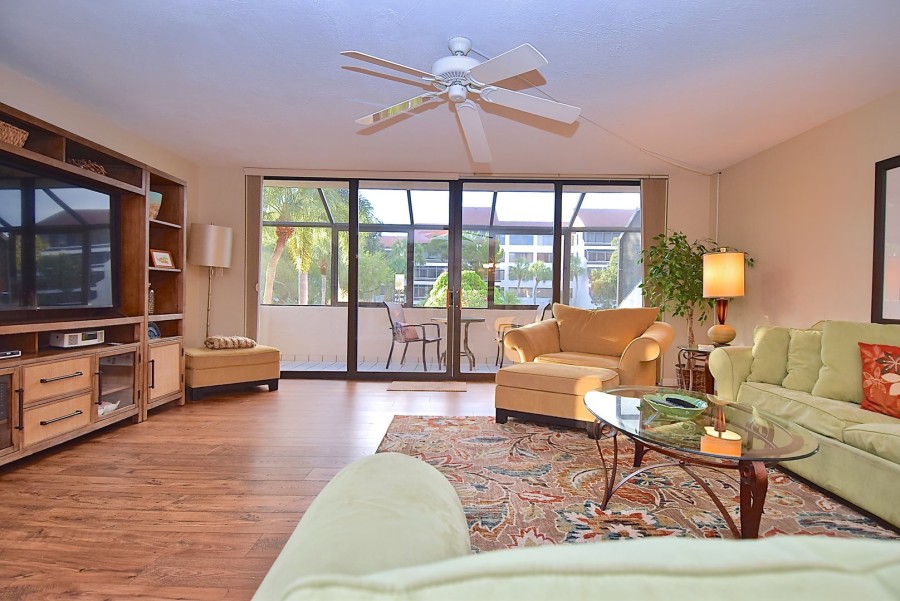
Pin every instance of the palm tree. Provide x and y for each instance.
(576, 270)
(541, 272)
(286, 205)
(519, 272)
(308, 246)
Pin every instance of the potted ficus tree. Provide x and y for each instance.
(674, 277)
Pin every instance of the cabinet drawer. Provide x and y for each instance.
(53, 419)
(56, 378)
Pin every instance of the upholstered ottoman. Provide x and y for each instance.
(549, 392)
(207, 370)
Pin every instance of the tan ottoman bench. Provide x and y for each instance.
(549, 392)
(207, 370)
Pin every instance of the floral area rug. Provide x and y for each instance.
(525, 484)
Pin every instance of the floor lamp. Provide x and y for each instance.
(723, 278)
(209, 245)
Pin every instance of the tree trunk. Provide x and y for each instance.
(282, 234)
(302, 288)
(690, 322)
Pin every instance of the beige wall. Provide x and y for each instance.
(221, 203)
(805, 211)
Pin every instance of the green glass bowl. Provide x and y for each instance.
(657, 403)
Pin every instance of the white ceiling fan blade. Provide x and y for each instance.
(513, 62)
(388, 64)
(550, 109)
(398, 109)
(473, 130)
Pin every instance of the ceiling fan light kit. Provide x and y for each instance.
(459, 76)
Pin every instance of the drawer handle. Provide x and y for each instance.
(21, 393)
(47, 422)
(58, 378)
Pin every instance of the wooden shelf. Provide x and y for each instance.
(164, 316)
(169, 269)
(165, 223)
(52, 326)
(55, 148)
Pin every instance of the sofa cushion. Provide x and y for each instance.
(601, 332)
(770, 354)
(804, 360)
(778, 567)
(882, 440)
(823, 416)
(881, 378)
(582, 359)
(841, 374)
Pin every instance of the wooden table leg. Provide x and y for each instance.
(754, 484)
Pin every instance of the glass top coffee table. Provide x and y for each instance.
(695, 429)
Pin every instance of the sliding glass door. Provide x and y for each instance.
(423, 279)
(403, 266)
(303, 273)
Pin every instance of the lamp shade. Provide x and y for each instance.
(723, 274)
(209, 245)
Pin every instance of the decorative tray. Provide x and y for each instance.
(676, 406)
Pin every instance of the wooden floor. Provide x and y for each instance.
(196, 502)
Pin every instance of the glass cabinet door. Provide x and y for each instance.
(116, 390)
(7, 413)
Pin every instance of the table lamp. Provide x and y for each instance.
(723, 278)
(209, 245)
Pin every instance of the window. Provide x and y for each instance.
(598, 256)
(404, 225)
(608, 217)
(428, 272)
(521, 240)
(299, 242)
(600, 238)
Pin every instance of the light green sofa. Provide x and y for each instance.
(814, 379)
(390, 526)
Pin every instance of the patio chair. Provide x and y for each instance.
(405, 333)
(504, 324)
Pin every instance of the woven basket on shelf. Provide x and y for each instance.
(12, 134)
(697, 383)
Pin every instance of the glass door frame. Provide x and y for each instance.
(453, 331)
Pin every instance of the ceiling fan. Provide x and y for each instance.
(459, 76)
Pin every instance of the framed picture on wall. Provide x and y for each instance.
(161, 259)
(886, 253)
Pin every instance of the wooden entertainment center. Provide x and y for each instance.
(49, 395)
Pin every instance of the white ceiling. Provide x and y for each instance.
(261, 83)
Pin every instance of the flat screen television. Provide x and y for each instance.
(57, 245)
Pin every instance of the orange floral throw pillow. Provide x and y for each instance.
(881, 378)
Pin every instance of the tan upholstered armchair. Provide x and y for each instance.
(628, 341)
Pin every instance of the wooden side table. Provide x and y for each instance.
(691, 359)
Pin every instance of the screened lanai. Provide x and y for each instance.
(500, 251)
